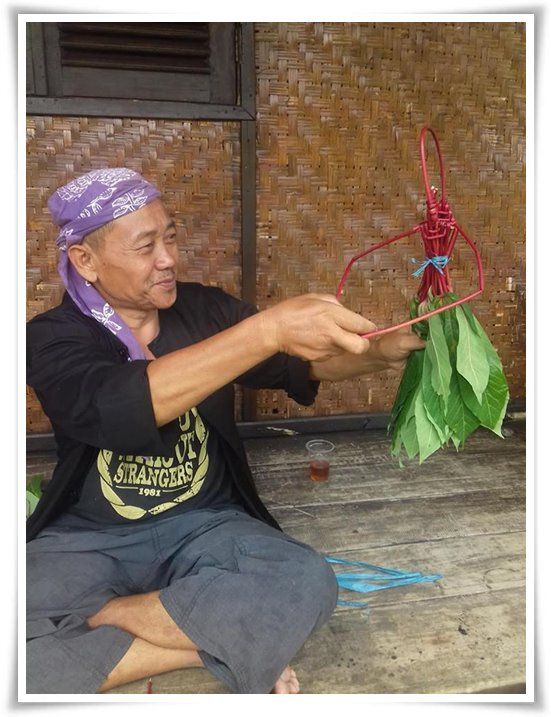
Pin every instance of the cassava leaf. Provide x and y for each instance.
(427, 437)
(410, 380)
(471, 361)
(493, 356)
(409, 437)
(396, 445)
(434, 406)
(437, 350)
(491, 353)
(34, 485)
(404, 430)
(452, 387)
(491, 411)
(414, 308)
(456, 441)
(31, 503)
(451, 332)
(421, 328)
(458, 416)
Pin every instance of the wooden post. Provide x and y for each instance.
(247, 92)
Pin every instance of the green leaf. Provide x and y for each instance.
(493, 356)
(34, 485)
(400, 424)
(458, 416)
(31, 503)
(434, 405)
(491, 353)
(471, 318)
(404, 429)
(447, 435)
(421, 328)
(396, 445)
(451, 332)
(410, 380)
(409, 437)
(491, 411)
(439, 356)
(427, 436)
(472, 361)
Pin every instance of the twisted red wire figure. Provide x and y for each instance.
(439, 233)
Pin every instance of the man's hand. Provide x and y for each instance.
(389, 351)
(395, 347)
(314, 327)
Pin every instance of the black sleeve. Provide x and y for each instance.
(282, 371)
(88, 394)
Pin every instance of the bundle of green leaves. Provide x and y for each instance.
(451, 387)
(34, 492)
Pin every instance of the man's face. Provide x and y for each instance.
(136, 262)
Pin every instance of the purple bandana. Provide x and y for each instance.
(79, 208)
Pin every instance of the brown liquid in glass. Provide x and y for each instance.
(319, 470)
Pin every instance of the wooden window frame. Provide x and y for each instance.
(44, 89)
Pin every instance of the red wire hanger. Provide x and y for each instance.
(439, 232)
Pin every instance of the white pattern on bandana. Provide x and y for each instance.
(105, 318)
(108, 177)
(129, 202)
(95, 205)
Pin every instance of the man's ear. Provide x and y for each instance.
(84, 261)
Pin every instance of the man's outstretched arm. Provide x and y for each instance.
(313, 327)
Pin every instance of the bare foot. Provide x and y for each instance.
(287, 683)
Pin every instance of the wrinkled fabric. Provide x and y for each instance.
(245, 593)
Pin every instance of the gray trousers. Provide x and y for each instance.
(248, 595)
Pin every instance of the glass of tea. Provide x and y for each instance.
(319, 452)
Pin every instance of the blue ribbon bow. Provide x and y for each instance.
(439, 262)
(370, 582)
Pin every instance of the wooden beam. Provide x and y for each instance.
(248, 211)
(247, 80)
(247, 97)
(107, 107)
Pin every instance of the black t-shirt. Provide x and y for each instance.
(120, 488)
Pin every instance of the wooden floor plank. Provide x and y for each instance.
(376, 523)
(469, 644)
(286, 490)
(362, 468)
(475, 564)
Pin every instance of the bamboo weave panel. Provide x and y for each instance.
(340, 107)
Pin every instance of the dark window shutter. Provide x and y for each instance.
(155, 46)
(172, 62)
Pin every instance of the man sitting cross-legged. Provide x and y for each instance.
(150, 549)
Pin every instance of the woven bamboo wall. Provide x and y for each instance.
(339, 110)
(195, 164)
(340, 107)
